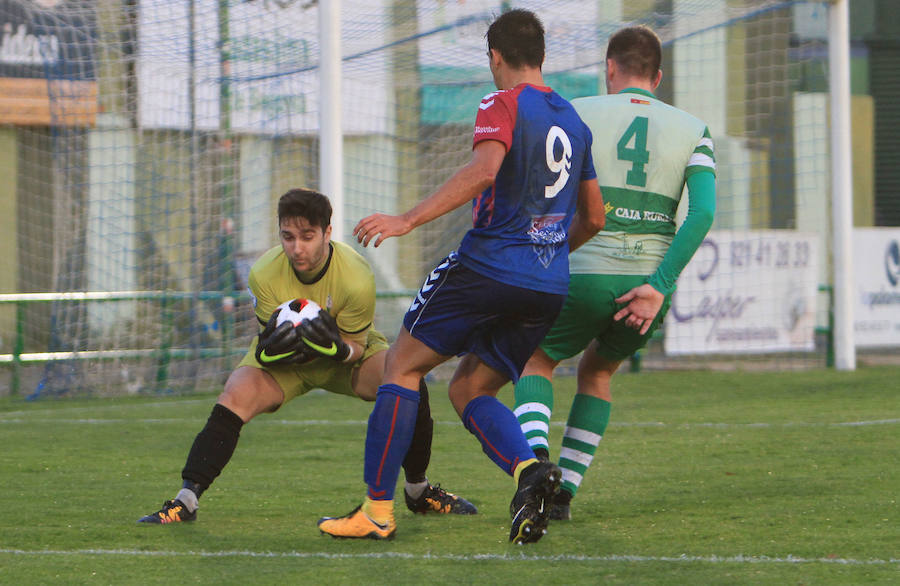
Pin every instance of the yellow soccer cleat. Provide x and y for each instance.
(357, 525)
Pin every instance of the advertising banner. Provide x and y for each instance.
(47, 69)
(876, 263)
(453, 33)
(267, 66)
(746, 292)
(452, 51)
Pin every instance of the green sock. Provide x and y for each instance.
(534, 403)
(584, 430)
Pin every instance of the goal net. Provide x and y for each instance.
(149, 142)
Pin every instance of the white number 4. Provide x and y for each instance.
(561, 165)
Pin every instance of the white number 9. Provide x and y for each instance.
(560, 166)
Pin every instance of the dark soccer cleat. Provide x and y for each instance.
(530, 506)
(559, 510)
(172, 512)
(435, 499)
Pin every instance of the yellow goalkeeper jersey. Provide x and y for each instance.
(345, 288)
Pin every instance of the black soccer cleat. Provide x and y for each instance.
(530, 506)
(559, 510)
(172, 512)
(435, 499)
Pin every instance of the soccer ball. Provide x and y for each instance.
(296, 310)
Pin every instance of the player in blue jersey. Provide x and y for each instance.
(494, 299)
(623, 278)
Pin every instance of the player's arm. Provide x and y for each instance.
(699, 219)
(264, 302)
(590, 214)
(645, 301)
(462, 187)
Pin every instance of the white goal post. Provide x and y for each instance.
(841, 183)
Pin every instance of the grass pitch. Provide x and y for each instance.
(702, 478)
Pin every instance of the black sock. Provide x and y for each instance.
(212, 449)
(419, 454)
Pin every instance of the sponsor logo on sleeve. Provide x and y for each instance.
(486, 130)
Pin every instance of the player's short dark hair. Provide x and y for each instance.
(305, 203)
(519, 37)
(636, 50)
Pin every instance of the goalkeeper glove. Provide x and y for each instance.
(321, 334)
(282, 344)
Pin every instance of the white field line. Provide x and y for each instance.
(335, 422)
(101, 407)
(713, 559)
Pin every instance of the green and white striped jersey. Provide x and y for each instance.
(644, 150)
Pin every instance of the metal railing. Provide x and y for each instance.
(163, 354)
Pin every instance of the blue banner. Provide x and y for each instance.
(47, 39)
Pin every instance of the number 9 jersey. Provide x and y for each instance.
(521, 223)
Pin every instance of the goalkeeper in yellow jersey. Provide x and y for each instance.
(338, 350)
(623, 278)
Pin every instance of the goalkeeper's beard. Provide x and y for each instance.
(303, 266)
(306, 264)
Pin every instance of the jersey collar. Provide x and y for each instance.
(541, 88)
(637, 90)
(321, 273)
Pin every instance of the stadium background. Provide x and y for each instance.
(143, 145)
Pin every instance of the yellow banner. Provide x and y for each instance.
(41, 102)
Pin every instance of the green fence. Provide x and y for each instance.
(163, 355)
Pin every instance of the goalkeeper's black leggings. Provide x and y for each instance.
(215, 444)
(419, 454)
(212, 449)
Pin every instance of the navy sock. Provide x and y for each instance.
(388, 437)
(498, 430)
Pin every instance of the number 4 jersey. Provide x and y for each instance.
(521, 223)
(648, 150)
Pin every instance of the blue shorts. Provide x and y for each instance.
(458, 311)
